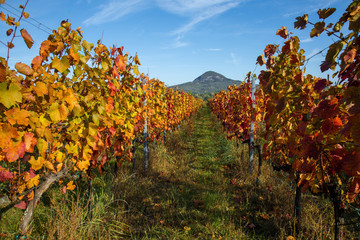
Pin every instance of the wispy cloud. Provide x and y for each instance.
(306, 40)
(312, 8)
(214, 49)
(197, 10)
(113, 10)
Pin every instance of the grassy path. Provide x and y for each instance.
(189, 196)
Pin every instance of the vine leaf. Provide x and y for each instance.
(36, 164)
(2, 73)
(61, 65)
(21, 205)
(9, 96)
(325, 13)
(282, 32)
(318, 29)
(27, 38)
(301, 22)
(5, 174)
(24, 69)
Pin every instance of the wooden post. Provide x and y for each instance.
(146, 141)
(252, 126)
(297, 205)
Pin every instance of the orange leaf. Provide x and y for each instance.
(17, 116)
(27, 38)
(24, 69)
(41, 89)
(121, 63)
(14, 152)
(36, 62)
(70, 185)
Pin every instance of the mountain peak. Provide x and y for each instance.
(210, 76)
(208, 82)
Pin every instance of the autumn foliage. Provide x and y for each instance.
(73, 108)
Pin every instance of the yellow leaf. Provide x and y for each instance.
(60, 156)
(136, 70)
(87, 152)
(9, 96)
(42, 146)
(36, 164)
(61, 65)
(92, 129)
(57, 113)
(70, 185)
(83, 165)
(33, 182)
(49, 166)
(59, 167)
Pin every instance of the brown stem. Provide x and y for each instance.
(13, 36)
(40, 190)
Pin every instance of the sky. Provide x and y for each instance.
(177, 40)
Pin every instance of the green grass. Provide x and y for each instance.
(197, 187)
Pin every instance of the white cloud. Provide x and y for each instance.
(113, 10)
(186, 7)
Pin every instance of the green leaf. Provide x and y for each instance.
(11, 96)
(334, 51)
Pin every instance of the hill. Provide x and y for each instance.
(207, 84)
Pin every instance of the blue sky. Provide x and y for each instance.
(178, 40)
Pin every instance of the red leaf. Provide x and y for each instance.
(112, 130)
(270, 50)
(64, 189)
(325, 66)
(21, 205)
(282, 32)
(5, 174)
(112, 88)
(320, 85)
(32, 173)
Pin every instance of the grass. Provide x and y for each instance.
(197, 187)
